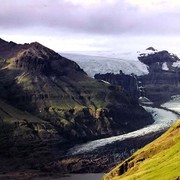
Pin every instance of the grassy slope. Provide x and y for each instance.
(19, 126)
(9, 114)
(84, 106)
(24, 139)
(158, 160)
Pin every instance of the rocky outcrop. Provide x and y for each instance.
(151, 49)
(128, 82)
(163, 80)
(157, 57)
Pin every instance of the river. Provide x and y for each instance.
(163, 119)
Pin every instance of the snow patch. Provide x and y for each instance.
(105, 82)
(146, 52)
(165, 67)
(173, 104)
(145, 101)
(176, 64)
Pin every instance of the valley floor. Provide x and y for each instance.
(97, 161)
(100, 155)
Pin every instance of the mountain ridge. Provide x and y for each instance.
(71, 107)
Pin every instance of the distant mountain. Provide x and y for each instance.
(47, 100)
(157, 72)
(157, 160)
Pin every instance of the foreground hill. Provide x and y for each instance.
(47, 100)
(158, 160)
(40, 81)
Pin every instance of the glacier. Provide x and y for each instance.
(128, 63)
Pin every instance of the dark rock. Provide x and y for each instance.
(160, 84)
(127, 82)
(161, 56)
(151, 49)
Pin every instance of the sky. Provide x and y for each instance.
(92, 25)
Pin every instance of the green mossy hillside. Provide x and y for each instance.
(158, 160)
(35, 79)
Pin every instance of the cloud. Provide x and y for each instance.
(102, 18)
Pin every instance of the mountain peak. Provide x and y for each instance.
(36, 45)
(157, 56)
(3, 41)
(151, 49)
(36, 58)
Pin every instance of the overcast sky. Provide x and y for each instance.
(85, 25)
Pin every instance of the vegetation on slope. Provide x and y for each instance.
(25, 140)
(158, 160)
(36, 79)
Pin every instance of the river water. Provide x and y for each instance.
(163, 119)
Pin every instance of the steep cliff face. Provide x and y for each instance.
(163, 80)
(38, 80)
(128, 82)
(157, 57)
(158, 160)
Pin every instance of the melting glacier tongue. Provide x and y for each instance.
(163, 119)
